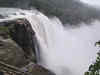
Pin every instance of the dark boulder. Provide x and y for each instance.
(23, 35)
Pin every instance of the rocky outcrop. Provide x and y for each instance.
(11, 53)
(17, 47)
(24, 36)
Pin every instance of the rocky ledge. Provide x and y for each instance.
(18, 49)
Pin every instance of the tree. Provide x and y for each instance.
(94, 69)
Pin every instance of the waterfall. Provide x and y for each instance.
(64, 50)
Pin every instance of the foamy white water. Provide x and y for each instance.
(64, 51)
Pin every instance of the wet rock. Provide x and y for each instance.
(23, 35)
(36, 69)
(11, 53)
(39, 70)
(17, 47)
(1, 17)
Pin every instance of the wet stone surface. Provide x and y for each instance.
(17, 50)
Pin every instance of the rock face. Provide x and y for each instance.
(11, 53)
(17, 47)
(1, 16)
(24, 36)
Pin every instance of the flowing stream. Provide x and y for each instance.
(64, 50)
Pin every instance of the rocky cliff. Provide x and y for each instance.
(18, 48)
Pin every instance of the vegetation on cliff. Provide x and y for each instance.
(94, 69)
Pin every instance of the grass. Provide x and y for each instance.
(4, 31)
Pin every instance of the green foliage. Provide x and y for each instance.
(4, 31)
(94, 69)
(3, 28)
(69, 11)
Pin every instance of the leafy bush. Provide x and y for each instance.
(94, 69)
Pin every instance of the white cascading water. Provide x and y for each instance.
(65, 51)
